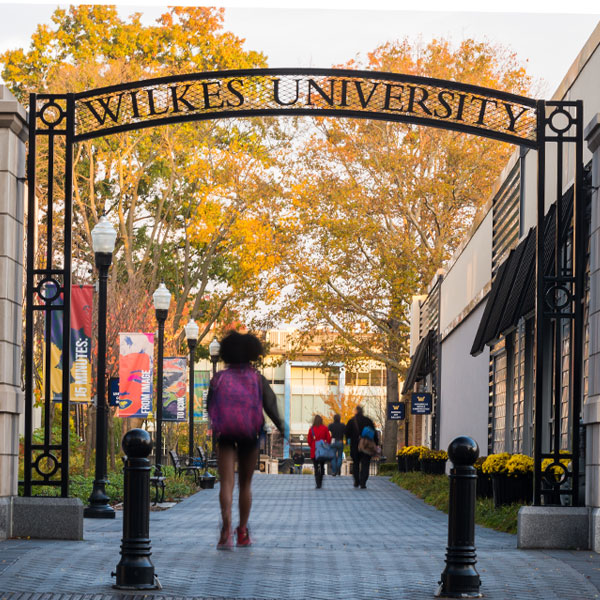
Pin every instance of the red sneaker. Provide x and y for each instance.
(225, 541)
(243, 537)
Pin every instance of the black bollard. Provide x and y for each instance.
(460, 578)
(135, 570)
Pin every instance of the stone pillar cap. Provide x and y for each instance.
(13, 115)
(591, 133)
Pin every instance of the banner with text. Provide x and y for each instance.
(201, 382)
(136, 365)
(174, 389)
(80, 362)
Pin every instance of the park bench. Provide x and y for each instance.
(207, 463)
(158, 483)
(181, 468)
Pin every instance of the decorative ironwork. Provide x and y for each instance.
(363, 94)
(559, 307)
(57, 121)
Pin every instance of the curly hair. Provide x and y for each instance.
(239, 348)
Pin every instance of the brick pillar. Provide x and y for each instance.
(13, 133)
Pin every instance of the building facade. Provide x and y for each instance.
(485, 334)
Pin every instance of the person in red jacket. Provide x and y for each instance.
(317, 432)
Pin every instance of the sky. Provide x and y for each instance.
(320, 33)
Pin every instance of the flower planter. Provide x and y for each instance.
(433, 466)
(510, 490)
(401, 464)
(484, 485)
(412, 462)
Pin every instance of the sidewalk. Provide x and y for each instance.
(337, 542)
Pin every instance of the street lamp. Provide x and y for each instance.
(162, 300)
(213, 349)
(191, 334)
(103, 243)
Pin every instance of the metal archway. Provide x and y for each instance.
(551, 128)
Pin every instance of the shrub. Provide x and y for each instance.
(519, 464)
(411, 450)
(387, 468)
(495, 464)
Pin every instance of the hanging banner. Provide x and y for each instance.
(136, 365)
(174, 389)
(201, 382)
(80, 363)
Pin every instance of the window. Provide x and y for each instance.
(518, 400)
(498, 402)
(350, 378)
(362, 379)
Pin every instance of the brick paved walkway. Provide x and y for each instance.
(337, 542)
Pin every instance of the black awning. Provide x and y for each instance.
(513, 290)
(421, 362)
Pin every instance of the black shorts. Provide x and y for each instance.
(242, 445)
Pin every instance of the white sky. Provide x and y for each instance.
(318, 33)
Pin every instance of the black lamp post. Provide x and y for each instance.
(191, 334)
(213, 349)
(103, 241)
(162, 300)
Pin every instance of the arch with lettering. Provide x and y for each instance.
(62, 120)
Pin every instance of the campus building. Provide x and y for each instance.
(304, 388)
(473, 332)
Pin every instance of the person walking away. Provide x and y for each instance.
(317, 432)
(298, 458)
(360, 460)
(235, 402)
(337, 429)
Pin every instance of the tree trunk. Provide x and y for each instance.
(390, 432)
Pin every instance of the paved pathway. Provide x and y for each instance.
(337, 542)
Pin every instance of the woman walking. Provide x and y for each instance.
(318, 432)
(235, 401)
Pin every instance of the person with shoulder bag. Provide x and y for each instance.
(337, 429)
(320, 450)
(364, 441)
(236, 399)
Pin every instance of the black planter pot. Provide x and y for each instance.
(207, 482)
(412, 462)
(484, 485)
(510, 490)
(401, 464)
(433, 466)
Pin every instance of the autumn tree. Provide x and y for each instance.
(188, 200)
(375, 208)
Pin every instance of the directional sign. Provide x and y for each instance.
(421, 403)
(395, 411)
(113, 391)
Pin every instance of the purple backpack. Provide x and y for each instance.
(236, 403)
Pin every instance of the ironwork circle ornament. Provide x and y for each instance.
(558, 296)
(314, 92)
(556, 473)
(554, 121)
(49, 468)
(51, 113)
(48, 289)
